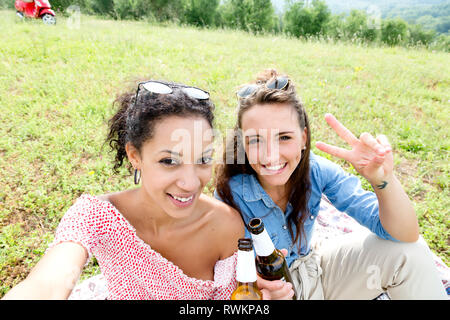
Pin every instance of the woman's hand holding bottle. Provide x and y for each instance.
(275, 289)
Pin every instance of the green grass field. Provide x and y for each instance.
(57, 85)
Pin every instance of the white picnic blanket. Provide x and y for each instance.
(331, 223)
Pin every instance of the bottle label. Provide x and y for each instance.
(245, 268)
(263, 244)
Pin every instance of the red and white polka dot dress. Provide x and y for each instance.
(132, 269)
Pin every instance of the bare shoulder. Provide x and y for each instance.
(116, 197)
(226, 225)
(104, 197)
(108, 196)
(221, 212)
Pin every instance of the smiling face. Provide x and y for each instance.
(273, 142)
(175, 164)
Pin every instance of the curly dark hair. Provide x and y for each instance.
(135, 121)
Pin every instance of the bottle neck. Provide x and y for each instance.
(246, 268)
(247, 284)
(263, 244)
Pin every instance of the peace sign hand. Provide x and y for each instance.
(371, 157)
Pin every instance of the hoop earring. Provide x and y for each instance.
(137, 177)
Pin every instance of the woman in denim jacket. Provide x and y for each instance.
(270, 172)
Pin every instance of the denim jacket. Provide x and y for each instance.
(342, 189)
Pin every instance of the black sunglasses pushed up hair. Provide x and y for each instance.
(278, 83)
(163, 88)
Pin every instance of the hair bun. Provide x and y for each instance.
(266, 75)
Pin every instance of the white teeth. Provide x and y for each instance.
(275, 168)
(183, 199)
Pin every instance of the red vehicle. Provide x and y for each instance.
(39, 9)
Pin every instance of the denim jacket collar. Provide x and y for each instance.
(253, 191)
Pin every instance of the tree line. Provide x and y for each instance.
(431, 16)
(301, 19)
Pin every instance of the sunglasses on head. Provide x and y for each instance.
(278, 83)
(162, 88)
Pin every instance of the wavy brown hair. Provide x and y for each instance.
(299, 184)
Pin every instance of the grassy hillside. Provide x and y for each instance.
(57, 85)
